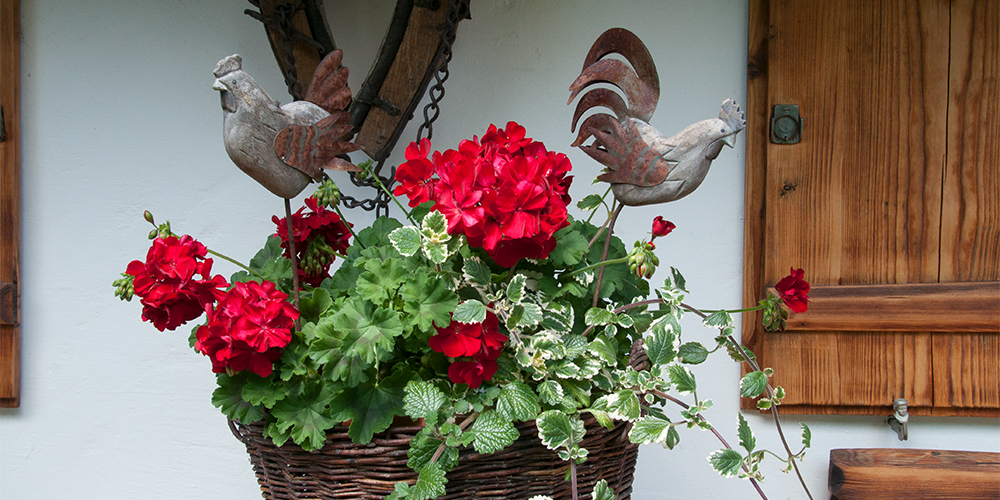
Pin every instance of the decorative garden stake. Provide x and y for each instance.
(284, 147)
(644, 166)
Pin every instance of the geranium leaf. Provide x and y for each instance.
(753, 384)
(369, 331)
(428, 302)
(380, 280)
(492, 432)
(515, 289)
(306, 416)
(726, 462)
(261, 391)
(313, 305)
(747, 441)
(693, 353)
(378, 233)
(406, 240)
(371, 407)
(518, 402)
(571, 245)
(422, 399)
(476, 271)
(271, 252)
(228, 397)
(431, 480)
(682, 378)
(557, 429)
(470, 311)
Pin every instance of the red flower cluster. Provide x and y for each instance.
(247, 329)
(319, 236)
(505, 193)
(166, 284)
(793, 290)
(481, 341)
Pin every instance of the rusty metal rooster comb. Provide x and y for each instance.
(731, 115)
(640, 83)
(228, 65)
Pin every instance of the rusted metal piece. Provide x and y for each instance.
(312, 148)
(640, 83)
(599, 97)
(299, 38)
(328, 88)
(637, 163)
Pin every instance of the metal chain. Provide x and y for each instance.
(436, 92)
(281, 23)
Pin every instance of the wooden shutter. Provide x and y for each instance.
(889, 202)
(10, 203)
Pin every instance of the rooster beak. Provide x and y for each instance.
(729, 140)
(218, 85)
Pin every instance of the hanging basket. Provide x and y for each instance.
(344, 470)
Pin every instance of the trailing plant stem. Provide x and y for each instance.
(604, 254)
(387, 192)
(294, 258)
(234, 261)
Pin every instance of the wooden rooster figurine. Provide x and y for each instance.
(643, 165)
(284, 147)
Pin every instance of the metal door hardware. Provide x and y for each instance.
(786, 125)
(899, 418)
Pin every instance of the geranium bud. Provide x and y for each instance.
(153, 234)
(662, 227)
(148, 216)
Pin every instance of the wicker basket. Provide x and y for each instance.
(344, 470)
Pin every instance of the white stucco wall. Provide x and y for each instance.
(118, 116)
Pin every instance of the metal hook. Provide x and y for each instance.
(899, 418)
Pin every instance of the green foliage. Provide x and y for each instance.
(753, 384)
(726, 462)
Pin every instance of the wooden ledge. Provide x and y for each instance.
(914, 474)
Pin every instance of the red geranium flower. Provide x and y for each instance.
(319, 236)
(662, 227)
(472, 373)
(166, 282)
(469, 339)
(247, 329)
(793, 290)
(507, 194)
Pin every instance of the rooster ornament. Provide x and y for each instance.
(643, 165)
(285, 147)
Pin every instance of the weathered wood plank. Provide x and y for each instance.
(967, 367)
(10, 194)
(914, 474)
(410, 72)
(908, 307)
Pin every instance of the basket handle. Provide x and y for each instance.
(235, 430)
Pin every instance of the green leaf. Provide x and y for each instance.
(261, 391)
(679, 282)
(558, 317)
(518, 402)
(589, 202)
(622, 405)
(806, 435)
(602, 491)
(606, 349)
(399, 490)
(753, 384)
(430, 481)
(531, 315)
(378, 233)
(557, 429)
(436, 224)
(660, 343)
(764, 404)
(726, 462)
(672, 438)
(372, 407)
(428, 302)
(718, 319)
(598, 316)
(650, 429)
(381, 279)
(682, 378)
(272, 251)
(747, 441)
(422, 399)
(693, 353)
(313, 305)
(551, 393)
(571, 245)
(493, 432)
(306, 415)
(470, 311)
(369, 331)
(228, 397)
(515, 289)
(476, 271)
(406, 240)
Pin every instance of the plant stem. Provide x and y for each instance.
(770, 394)
(599, 264)
(572, 479)
(746, 309)
(349, 228)
(234, 261)
(594, 211)
(714, 431)
(295, 258)
(604, 254)
(398, 204)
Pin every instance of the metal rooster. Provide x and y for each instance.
(643, 165)
(284, 147)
